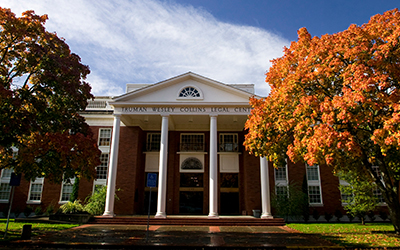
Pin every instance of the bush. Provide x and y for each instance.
(17, 212)
(72, 207)
(50, 209)
(350, 216)
(5, 211)
(371, 216)
(383, 215)
(315, 214)
(27, 211)
(328, 216)
(338, 214)
(38, 211)
(291, 202)
(96, 202)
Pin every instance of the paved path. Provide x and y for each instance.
(177, 237)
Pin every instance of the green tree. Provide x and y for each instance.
(360, 194)
(289, 201)
(335, 101)
(42, 91)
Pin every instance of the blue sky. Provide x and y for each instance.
(232, 41)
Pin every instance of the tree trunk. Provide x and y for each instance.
(394, 210)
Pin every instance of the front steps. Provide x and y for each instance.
(189, 221)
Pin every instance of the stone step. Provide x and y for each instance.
(189, 221)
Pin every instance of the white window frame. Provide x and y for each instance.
(202, 149)
(280, 182)
(104, 150)
(71, 182)
(179, 97)
(314, 183)
(343, 183)
(235, 144)
(150, 142)
(36, 181)
(100, 137)
(377, 192)
(5, 181)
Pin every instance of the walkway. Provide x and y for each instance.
(176, 237)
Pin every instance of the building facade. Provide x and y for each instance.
(187, 132)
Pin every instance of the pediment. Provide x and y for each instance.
(185, 88)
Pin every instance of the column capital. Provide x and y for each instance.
(117, 115)
(213, 115)
(164, 115)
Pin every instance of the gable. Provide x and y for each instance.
(185, 88)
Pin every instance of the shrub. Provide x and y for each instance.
(338, 214)
(96, 202)
(371, 216)
(38, 211)
(72, 207)
(315, 214)
(290, 203)
(27, 211)
(350, 216)
(50, 209)
(383, 215)
(328, 216)
(5, 211)
(17, 212)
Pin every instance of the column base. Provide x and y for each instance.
(160, 215)
(213, 215)
(267, 216)
(108, 215)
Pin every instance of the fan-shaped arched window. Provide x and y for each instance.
(190, 92)
(192, 163)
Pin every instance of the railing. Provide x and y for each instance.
(228, 147)
(192, 147)
(152, 147)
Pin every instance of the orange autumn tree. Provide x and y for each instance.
(42, 91)
(335, 101)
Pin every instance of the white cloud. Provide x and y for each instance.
(148, 41)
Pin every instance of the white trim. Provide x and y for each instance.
(314, 183)
(72, 181)
(191, 98)
(36, 181)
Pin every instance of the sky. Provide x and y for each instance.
(231, 41)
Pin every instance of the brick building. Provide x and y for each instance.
(189, 131)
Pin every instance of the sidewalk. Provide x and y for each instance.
(175, 237)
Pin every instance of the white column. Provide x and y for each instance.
(213, 214)
(265, 192)
(112, 170)
(162, 172)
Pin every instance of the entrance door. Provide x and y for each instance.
(191, 193)
(229, 193)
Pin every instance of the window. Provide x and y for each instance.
(103, 168)
(35, 191)
(66, 190)
(105, 137)
(228, 142)
(281, 192)
(280, 174)
(189, 92)
(314, 185)
(192, 142)
(153, 142)
(281, 182)
(377, 191)
(5, 187)
(314, 194)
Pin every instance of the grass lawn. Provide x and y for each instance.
(15, 228)
(353, 234)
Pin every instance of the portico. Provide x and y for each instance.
(193, 128)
